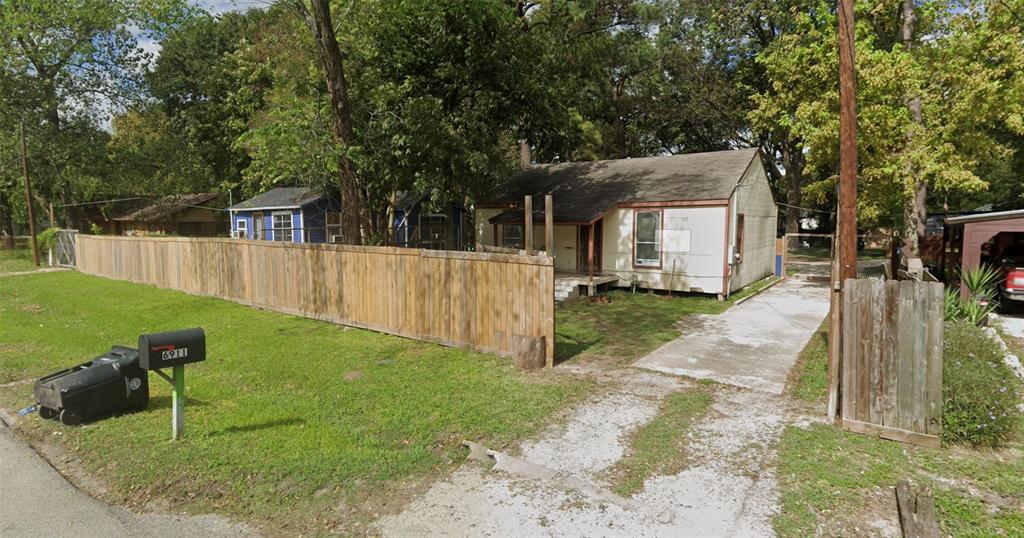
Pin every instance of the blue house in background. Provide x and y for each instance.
(415, 226)
(289, 214)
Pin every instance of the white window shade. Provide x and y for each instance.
(647, 239)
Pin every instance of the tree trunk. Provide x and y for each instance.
(525, 156)
(793, 163)
(915, 209)
(332, 62)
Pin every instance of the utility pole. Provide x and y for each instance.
(28, 199)
(844, 264)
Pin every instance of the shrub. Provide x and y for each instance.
(46, 238)
(980, 391)
(970, 309)
(982, 280)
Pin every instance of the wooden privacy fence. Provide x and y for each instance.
(891, 377)
(463, 299)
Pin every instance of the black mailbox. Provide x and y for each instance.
(162, 350)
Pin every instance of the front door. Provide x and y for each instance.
(257, 226)
(584, 247)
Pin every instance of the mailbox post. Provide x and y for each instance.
(173, 350)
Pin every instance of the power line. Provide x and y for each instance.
(807, 208)
(77, 204)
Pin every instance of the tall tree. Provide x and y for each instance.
(68, 62)
(320, 23)
(915, 212)
(968, 77)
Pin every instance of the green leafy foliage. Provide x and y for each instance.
(970, 309)
(980, 392)
(46, 239)
(965, 77)
(982, 280)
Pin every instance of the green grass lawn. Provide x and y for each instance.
(808, 379)
(297, 424)
(833, 482)
(631, 324)
(16, 260)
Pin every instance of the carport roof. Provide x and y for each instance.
(981, 217)
(583, 191)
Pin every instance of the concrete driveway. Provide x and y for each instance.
(751, 345)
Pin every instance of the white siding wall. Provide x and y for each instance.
(565, 248)
(753, 198)
(696, 266)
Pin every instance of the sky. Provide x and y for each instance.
(214, 7)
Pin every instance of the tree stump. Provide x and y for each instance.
(528, 352)
(917, 512)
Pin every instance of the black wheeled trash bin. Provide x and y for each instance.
(111, 382)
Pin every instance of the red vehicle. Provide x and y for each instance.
(1012, 288)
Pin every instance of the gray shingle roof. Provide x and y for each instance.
(280, 198)
(583, 191)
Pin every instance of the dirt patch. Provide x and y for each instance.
(729, 487)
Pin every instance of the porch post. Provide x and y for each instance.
(549, 227)
(528, 224)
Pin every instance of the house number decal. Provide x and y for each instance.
(168, 352)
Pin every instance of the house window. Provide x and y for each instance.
(433, 231)
(333, 220)
(282, 226)
(647, 239)
(241, 228)
(512, 236)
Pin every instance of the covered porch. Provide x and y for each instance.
(570, 284)
(576, 246)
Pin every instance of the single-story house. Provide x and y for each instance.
(291, 214)
(99, 211)
(415, 225)
(702, 222)
(193, 215)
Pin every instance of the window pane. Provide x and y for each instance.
(512, 236)
(647, 226)
(647, 251)
(282, 227)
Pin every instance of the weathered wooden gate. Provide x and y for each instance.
(64, 248)
(891, 376)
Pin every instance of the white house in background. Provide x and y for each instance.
(703, 222)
